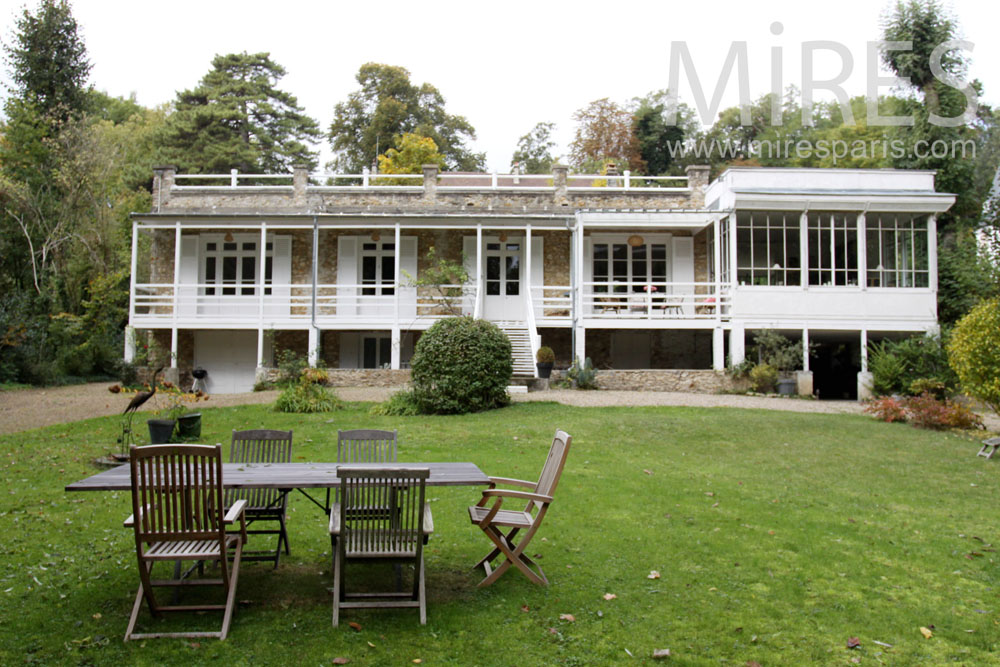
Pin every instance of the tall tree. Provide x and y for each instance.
(48, 60)
(387, 105)
(534, 150)
(657, 139)
(238, 118)
(604, 133)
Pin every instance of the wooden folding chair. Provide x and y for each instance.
(492, 519)
(178, 515)
(262, 446)
(362, 529)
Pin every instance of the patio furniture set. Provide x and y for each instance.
(187, 505)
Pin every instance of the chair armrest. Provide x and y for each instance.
(512, 482)
(524, 495)
(428, 520)
(234, 511)
(130, 521)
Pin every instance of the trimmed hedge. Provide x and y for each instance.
(461, 365)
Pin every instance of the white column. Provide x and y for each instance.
(718, 349)
(717, 259)
(805, 350)
(177, 280)
(313, 351)
(177, 267)
(862, 251)
(737, 344)
(932, 253)
(173, 347)
(479, 271)
(395, 353)
(864, 350)
(527, 259)
(804, 249)
(260, 347)
(261, 272)
(132, 279)
(581, 331)
(129, 343)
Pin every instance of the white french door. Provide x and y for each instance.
(503, 279)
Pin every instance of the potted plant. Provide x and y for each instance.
(178, 416)
(545, 358)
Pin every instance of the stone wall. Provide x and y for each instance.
(687, 381)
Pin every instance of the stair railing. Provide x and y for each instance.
(534, 340)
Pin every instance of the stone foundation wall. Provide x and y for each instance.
(687, 381)
(340, 377)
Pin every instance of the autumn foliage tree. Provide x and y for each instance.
(604, 133)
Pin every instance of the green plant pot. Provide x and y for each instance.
(189, 426)
(544, 369)
(160, 431)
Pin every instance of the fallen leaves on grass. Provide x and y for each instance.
(610, 596)
(570, 618)
(355, 626)
(525, 608)
(926, 632)
(653, 574)
(853, 642)
(340, 661)
(661, 653)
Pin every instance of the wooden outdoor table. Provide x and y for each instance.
(288, 476)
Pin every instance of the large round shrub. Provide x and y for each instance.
(974, 352)
(461, 365)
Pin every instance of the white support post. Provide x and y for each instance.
(132, 279)
(261, 270)
(233, 178)
(177, 273)
(804, 249)
(365, 177)
(129, 343)
(718, 349)
(932, 254)
(717, 259)
(494, 181)
(478, 310)
(864, 350)
(173, 347)
(395, 357)
(628, 179)
(737, 344)
(527, 266)
(805, 350)
(733, 273)
(581, 331)
(260, 347)
(313, 347)
(862, 251)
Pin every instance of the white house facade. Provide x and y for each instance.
(636, 273)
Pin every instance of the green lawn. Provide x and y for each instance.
(778, 536)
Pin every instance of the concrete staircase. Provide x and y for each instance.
(520, 343)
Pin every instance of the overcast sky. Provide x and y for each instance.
(503, 65)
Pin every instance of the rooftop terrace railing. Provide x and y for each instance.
(443, 181)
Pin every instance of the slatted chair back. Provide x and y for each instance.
(177, 493)
(259, 446)
(367, 529)
(366, 446)
(554, 462)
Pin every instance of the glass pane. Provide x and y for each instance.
(513, 288)
(268, 267)
(619, 251)
(249, 273)
(269, 246)
(209, 269)
(388, 246)
(513, 267)
(369, 246)
(368, 270)
(493, 268)
(600, 269)
(492, 288)
(514, 246)
(659, 251)
(388, 269)
(600, 251)
(250, 246)
(229, 246)
(492, 246)
(228, 274)
(210, 247)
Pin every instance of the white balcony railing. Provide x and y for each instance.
(549, 304)
(658, 300)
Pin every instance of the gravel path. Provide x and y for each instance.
(33, 408)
